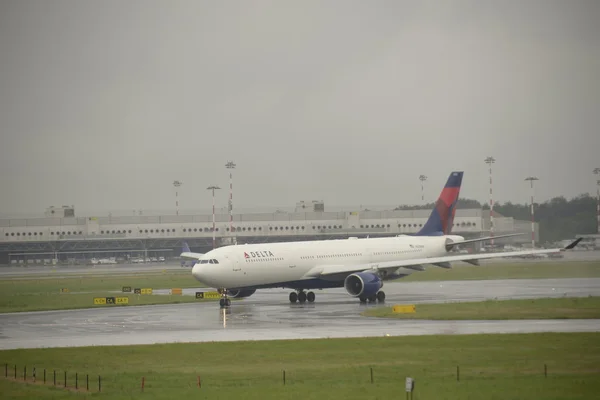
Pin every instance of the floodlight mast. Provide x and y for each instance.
(422, 178)
(177, 185)
(230, 165)
(597, 172)
(489, 161)
(531, 179)
(213, 188)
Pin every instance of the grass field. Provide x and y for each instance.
(549, 308)
(44, 294)
(491, 367)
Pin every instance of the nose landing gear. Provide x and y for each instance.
(224, 301)
(302, 297)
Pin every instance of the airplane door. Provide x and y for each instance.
(236, 264)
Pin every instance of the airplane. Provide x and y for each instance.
(359, 265)
(194, 259)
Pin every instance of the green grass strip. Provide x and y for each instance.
(546, 308)
(490, 367)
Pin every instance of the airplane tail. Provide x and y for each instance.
(186, 249)
(441, 218)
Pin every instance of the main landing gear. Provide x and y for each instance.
(302, 297)
(380, 297)
(224, 301)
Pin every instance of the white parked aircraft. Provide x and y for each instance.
(359, 265)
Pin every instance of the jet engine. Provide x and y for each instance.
(363, 284)
(239, 293)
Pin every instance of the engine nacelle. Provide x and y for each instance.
(239, 293)
(362, 284)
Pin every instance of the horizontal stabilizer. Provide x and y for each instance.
(449, 246)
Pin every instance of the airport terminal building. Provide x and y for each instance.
(61, 236)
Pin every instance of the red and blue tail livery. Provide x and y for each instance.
(442, 217)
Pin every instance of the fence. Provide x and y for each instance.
(32, 377)
(12, 372)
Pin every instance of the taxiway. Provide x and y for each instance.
(268, 315)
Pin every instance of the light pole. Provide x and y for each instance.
(531, 179)
(598, 205)
(230, 165)
(213, 188)
(422, 178)
(489, 161)
(597, 172)
(177, 184)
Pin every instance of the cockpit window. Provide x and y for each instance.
(203, 261)
(216, 261)
(211, 261)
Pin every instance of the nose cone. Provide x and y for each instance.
(196, 272)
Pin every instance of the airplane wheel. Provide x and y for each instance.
(363, 299)
(372, 299)
(301, 297)
(293, 297)
(310, 296)
(381, 296)
(222, 303)
(227, 302)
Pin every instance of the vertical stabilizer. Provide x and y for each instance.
(441, 218)
(186, 249)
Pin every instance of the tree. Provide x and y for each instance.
(558, 217)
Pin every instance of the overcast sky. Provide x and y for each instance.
(103, 104)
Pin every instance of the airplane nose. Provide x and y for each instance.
(196, 271)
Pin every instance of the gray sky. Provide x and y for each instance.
(104, 104)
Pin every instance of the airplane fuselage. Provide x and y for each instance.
(291, 264)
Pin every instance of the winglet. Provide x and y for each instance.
(572, 244)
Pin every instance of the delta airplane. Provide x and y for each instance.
(358, 265)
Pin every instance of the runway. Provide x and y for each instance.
(268, 315)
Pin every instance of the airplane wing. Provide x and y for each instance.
(417, 263)
(449, 246)
(187, 254)
(191, 256)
